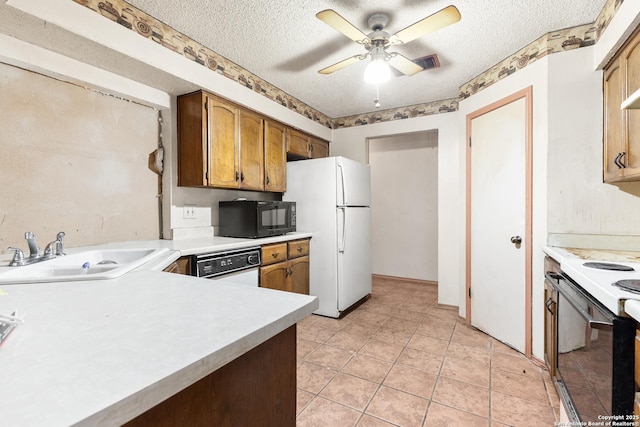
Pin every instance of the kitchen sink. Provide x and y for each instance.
(94, 264)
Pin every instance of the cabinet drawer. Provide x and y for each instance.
(274, 253)
(298, 248)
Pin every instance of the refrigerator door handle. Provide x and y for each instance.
(344, 230)
(344, 188)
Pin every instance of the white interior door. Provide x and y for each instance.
(498, 211)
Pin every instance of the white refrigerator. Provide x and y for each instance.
(332, 198)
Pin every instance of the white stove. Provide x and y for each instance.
(599, 282)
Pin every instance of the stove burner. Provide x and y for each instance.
(629, 285)
(608, 266)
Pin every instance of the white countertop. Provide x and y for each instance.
(599, 282)
(101, 352)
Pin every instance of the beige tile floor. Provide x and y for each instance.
(400, 360)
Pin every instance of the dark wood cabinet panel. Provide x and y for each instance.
(256, 389)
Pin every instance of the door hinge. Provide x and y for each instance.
(469, 292)
(469, 141)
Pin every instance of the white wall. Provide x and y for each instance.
(73, 160)
(579, 202)
(404, 205)
(352, 143)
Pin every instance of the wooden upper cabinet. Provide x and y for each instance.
(622, 127)
(275, 156)
(223, 145)
(193, 139)
(298, 144)
(613, 121)
(318, 148)
(224, 155)
(251, 151)
(632, 68)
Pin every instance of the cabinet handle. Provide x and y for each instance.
(299, 248)
(275, 254)
(237, 176)
(268, 180)
(242, 176)
(289, 272)
(622, 165)
(550, 303)
(617, 161)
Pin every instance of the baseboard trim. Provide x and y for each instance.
(404, 279)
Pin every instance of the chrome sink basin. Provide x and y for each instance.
(94, 264)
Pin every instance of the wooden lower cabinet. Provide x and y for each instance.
(285, 266)
(256, 389)
(275, 276)
(299, 276)
(180, 266)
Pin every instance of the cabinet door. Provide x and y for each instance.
(631, 60)
(299, 275)
(274, 276)
(551, 302)
(318, 148)
(275, 157)
(298, 144)
(251, 151)
(192, 140)
(222, 134)
(613, 121)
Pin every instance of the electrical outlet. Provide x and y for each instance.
(189, 212)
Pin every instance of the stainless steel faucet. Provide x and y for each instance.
(34, 250)
(53, 249)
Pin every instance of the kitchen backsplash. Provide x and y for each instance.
(74, 160)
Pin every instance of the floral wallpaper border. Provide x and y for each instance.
(147, 26)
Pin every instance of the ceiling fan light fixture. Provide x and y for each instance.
(377, 71)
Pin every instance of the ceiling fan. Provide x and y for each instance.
(378, 40)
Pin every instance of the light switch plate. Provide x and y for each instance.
(189, 212)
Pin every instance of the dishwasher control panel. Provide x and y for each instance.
(218, 263)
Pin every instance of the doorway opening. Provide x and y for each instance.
(404, 205)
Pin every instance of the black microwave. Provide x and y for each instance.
(256, 218)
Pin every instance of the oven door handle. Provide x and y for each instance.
(556, 280)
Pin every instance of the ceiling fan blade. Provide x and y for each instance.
(447, 16)
(332, 18)
(404, 64)
(340, 65)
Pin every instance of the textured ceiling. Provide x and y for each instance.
(283, 42)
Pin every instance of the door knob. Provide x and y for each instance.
(516, 240)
